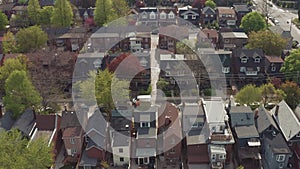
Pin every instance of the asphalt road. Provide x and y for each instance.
(282, 15)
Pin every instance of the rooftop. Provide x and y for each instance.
(240, 109)
(240, 35)
(121, 139)
(246, 132)
(214, 111)
(146, 132)
(264, 120)
(225, 10)
(277, 143)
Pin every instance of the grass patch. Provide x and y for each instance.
(296, 22)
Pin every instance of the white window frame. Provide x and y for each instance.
(144, 15)
(144, 124)
(244, 60)
(152, 15)
(225, 69)
(185, 17)
(222, 156)
(146, 161)
(281, 165)
(72, 140)
(257, 59)
(121, 150)
(193, 16)
(280, 157)
(242, 69)
(273, 68)
(171, 15)
(163, 15)
(73, 151)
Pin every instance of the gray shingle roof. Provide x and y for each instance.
(286, 120)
(7, 121)
(246, 132)
(277, 143)
(264, 120)
(69, 119)
(241, 8)
(240, 109)
(121, 139)
(25, 122)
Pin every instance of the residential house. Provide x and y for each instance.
(73, 41)
(120, 134)
(248, 146)
(226, 17)
(273, 65)
(53, 34)
(136, 42)
(47, 127)
(169, 134)
(241, 116)
(285, 33)
(6, 121)
(248, 66)
(189, 15)
(167, 16)
(94, 154)
(145, 131)
(232, 40)
(196, 131)
(240, 10)
(148, 16)
(220, 136)
(274, 149)
(289, 126)
(208, 16)
(72, 135)
(26, 123)
(212, 35)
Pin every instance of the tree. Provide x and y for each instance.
(299, 13)
(270, 94)
(34, 10)
(185, 47)
(292, 91)
(291, 65)
(10, 65)
(62, 15)
(248, 94)
(20, 93)
(120, 7)
(17, 152)
(253, 22)
(45, 15)
(210, 3)
(9, 43)
(31, 38)
(104, 12)
(3, 21)
(271, 43)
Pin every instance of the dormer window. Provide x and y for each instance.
(273, 68)
(144, 15)
(244, 59)
(193, 16)
(144, 124)
(171, 15)
(257, 59)
(162, 15)
(185, 17)
(152, 15)
(298, 135)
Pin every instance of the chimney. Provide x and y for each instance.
(256, 113)
(276, 110)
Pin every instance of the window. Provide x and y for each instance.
(213, 157)
(120, 150)
(281, 165)
(73, 151)
(257, 59)
(212, 16)
(146, 160)
(144, 15)
(72, 141)
(171, 15)
(162, 15)
(193, 16)
(244, 59)
(138, 42)
(152, 15)
(145, 124)
(172, 151)
(172, 141)
(280, 158)
(185, 17)
(206, 15)
(121, 159)
(298, 135)
(242, 69)
(273, 68)
(222, 156)
(225, 69)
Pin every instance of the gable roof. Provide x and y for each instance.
(98, 123)
(46, 122)
(277, 143)
(246, 132)
(225, 10)
(241, 8)
(189, 11)
(251, 53)
(209, 10)
(264, 120)
(25, 122)
(210, 33)
(286, 120)
(69, 119)
(274, 59)
(7, 121)
(280, 31)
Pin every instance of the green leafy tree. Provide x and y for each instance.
(185, 46)
(269, 42)
(210, 3)
(270, 94)
(291, 66)
(120, 7)
(62, 15)
(253, 22)
(9, 43)
(3, 21)
(31, 38)
(34, 10)
(10, 65)
(240, 167)
(20, 93)
(292, 91)
(45, 15)
(104, 12)
(248, 94)
(17, 152)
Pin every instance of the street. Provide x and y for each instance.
(283, 16)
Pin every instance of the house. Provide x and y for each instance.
(72, 135)
(212, 35)
(232, 40)
(94, 154)
(285, 33)
(189, 15)
(26, 123)
(47, 127)
(169, 134)
(208, 16)
(220, 136)
(148, 16)
(120, 134)
(240, 10)
(241, 116)
(248, 66)
(248, 146)
(73, 41)
(264, 122)
(289, 126)
(273, 65)
(145, 131)
(196, 131)
(6, 121)
(167, 16)
(226, 17)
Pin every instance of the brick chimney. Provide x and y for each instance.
(276, 110)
